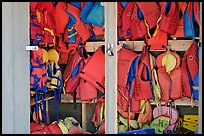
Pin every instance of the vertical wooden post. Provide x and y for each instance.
(200, 75)
(84, 117)
(111, 68)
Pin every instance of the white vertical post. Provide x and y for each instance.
(200, 75)
(16, 96)
(111, 68)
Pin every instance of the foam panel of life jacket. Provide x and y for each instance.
(137, 27)
(147, 115)
(169, 21)
(54, 128)
(151, 12)
(93, 75)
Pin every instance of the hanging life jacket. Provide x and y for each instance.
(143, 85)
(120, 9)
(137, 26)
(191, 21)
(80, 27)
(190, 72)
(169, 75)
(126, 18)
(127, 60)
(60, 17)
(151, 12)
(180, 28)
(169, 21)
(92, 76)
(72, 70)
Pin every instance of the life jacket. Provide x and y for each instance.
(126, 17)
(191, 24)
(39, 128)
(61, 18)
(63, 127)
(151, 12)
(92, 76)
(180, 27)
(158, 40)
(74, 126)
(81, 29)
(96, 14)
(98, 117)
(55, 82)
(54, 128)
(65, 50)
(33, 6)
(126, 60)
(170, 84)
(35, 30)
(120, 9)
(137, 26)
(49, 28)
(72, 70)
(169, 20)
(143, 87)
(145, 112)
(190, 72)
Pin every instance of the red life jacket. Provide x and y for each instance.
(180, 27)
(142, 81)
(126, 17)
(64, 51)
(81, 29)
(61, 18)
(71, 79)
(125, 59)
(170, 19)
(49, 28)
(93, 75)
(54, 128)
(137, 27)
(33, 6)
(150, 11)
(171, 86)
(98, 30)
(119, 19)
(189, 68)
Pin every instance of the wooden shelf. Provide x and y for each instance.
(32, 100)
(175, 45)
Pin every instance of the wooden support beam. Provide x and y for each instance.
(111, 68)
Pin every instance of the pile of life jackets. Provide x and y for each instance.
(60, 30)
(67, 126)
(155, 21)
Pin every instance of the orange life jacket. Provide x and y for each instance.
(137, 26)
(125, 59)
(171, 85)
(142, 88)
(126, 17)
(151, 12)
(169, 20)
(93, 75)
(61, 18)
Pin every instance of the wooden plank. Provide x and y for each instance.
(180, 102)
(175, 45)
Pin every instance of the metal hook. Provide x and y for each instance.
(110, 50)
